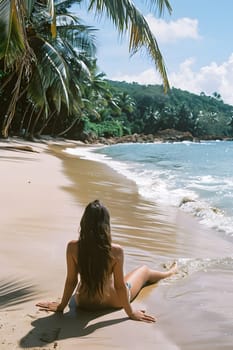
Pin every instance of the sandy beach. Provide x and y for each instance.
(43, 194)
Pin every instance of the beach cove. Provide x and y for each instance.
(43, 196)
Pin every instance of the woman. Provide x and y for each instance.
(99, 263)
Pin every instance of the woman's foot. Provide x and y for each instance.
(172, 269)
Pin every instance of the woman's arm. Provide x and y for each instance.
(122, 292)
(119, 282)
(72, 275)
(70, 283)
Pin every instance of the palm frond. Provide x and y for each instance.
(125, 16)
(140, 34)
(66, 3)
(52, 62)
(5, 12)
(11, 33)
(160, 5)
(36, 91)
(67, 19)
(29, 5)
(77, 58)
(78, 36)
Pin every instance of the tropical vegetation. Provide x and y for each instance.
(201, 115)
(49, 80)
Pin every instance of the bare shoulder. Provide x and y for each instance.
(72, 247)
(117, 250)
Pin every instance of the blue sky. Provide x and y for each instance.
(196, 43)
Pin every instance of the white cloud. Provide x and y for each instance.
(208, 79)
(149, 76)
(171, 31)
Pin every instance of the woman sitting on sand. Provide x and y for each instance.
(99, 263)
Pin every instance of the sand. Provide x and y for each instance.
(43, 195)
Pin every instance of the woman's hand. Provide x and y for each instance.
(140, 315)
(50, 306)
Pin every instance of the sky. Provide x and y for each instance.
(195, 41)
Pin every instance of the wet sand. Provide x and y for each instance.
(43, 195)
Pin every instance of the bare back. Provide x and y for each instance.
(109, 298)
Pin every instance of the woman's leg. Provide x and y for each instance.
(139, 277)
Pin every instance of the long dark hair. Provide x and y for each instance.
(94, 253)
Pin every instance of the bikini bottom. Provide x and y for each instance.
(129, 286)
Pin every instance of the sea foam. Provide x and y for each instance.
(182, 176)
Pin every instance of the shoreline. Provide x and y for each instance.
(195, 208)
(206, 214)
(34, 248)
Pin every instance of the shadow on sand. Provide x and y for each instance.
(14, 292)
(75, 323)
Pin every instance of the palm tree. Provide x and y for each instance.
(69, 54)
(44, 53)
(126, 103)
(45, 70)
(15, 53)
(128, 19)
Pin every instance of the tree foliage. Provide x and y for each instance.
(48, 63)
(154, 111)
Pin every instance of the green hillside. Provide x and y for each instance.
(181, 110)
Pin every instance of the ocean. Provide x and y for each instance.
(178, 208)
(195, 177)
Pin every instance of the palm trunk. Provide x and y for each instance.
(31, 134)
(12, 106)
(46, 123)
(70, 127)
(29, 123)
(22, 120)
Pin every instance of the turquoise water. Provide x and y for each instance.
(196, 177)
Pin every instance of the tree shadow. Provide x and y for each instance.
(73, 324)
(15, 291)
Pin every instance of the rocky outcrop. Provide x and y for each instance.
(175, 135)
(168, 135)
